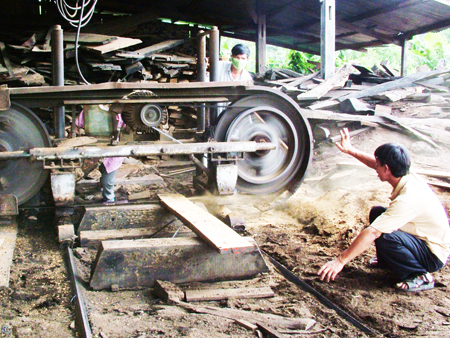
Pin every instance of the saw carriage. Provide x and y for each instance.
(250, 138)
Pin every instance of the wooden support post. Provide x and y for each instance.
(404, 63)
(327, 41)
(261, 38)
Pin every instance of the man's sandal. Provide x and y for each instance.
(374, 262)
(419, 283)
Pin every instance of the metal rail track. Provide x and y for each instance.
(290, 276)
(81, 319)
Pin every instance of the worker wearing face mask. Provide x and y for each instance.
(235, 70)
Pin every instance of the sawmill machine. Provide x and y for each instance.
(261, 131)
(249, 138)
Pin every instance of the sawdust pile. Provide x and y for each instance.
(337, 214)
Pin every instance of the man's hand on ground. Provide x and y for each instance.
(330, 270)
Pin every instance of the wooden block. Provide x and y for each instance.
(168, 292)
(66, 232)
(139, 263)
(220, 294)
(214, 232)
(125, 217)
(140, 195)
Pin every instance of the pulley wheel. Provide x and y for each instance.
(143, 117)
(262, 118)
(21, 129)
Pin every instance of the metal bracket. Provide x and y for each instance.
(62, 164)
(63, 188)
(9, 205)
(226, 177)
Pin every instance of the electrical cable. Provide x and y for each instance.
(70, 14)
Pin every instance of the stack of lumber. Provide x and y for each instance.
(168, 57)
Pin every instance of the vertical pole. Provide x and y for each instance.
(201, 76)
(404, 63)
(214, 46)
(58, 77)
(201, 56)
(327, 37)
(261, 38)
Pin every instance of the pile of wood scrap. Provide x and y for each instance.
(270, 324)
(162, 58)
(415, 104)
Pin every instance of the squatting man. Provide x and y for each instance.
(412, 235)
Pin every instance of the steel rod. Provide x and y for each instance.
(70, 153)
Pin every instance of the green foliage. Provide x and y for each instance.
(428, 49)
(300, 62)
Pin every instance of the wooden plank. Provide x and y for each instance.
(382, 110)
(323, 104)
(437, 88)
(220, 294)
(329, 115)
(432, 173)
(269, 332)
(168, 292)
(89, 38)
(403, 82)
(439, 184)
(147, 51)
(414, 132)
(119, 43)
(253, 316)
(140, 195)
(214, 232)
(325, 87)
(6, 60)
(352, 133)
(396, 94)
(246, 324)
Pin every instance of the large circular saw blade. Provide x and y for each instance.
(267, 118)
(21, 129)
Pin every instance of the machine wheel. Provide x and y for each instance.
(21, 129)
(264, 118)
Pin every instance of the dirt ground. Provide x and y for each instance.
(303, 233)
